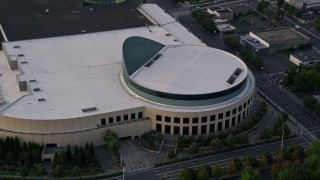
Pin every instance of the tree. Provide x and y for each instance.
(9, 157)
(68, 153)
(275, 168)
(296, 173)
(215, 143)
(40, 170)
(58, 171)
(76, 171)
(87, 147)
(242, 138)
(310, 102)
(280, 3)
(181, 142)
(112, 143)
(216, 171)
(262, 5)
(248, 173)
(92, 149)
(232, 42)
(250, 161)
(230, 140)
(265, 133)
(280, 157)
(312, 162)
(263, 161)
(268, 156)
(232, 168)
(317, 23)
(171, 154)
(193, 148)
(24, 171)
(313, 148)
(24, 157)
(202, 173)
(185, 174)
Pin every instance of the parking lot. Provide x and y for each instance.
(47, 18)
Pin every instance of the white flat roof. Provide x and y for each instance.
(191, 70)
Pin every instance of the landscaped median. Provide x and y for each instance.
(220, 151)
(97, 176)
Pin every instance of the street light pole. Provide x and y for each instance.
(282, 139)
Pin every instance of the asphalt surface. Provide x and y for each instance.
(29, 20)
(172, 171)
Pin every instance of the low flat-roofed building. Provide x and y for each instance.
(280, 39)
(305, 58)
(254, 45)
(309, 4)
(222, 13)
(224, 27)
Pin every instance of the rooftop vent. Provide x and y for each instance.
(16, 47)
(234, 75)
(24, 62)
(32, 80)
(89, 109)
(41, 99)
(36, 89)
(156, 57)
(20, 55)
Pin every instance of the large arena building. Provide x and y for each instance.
(71, 89)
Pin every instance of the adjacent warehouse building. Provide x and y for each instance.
(305, 58)
(274, 40)
(307, 4)
(71, 89)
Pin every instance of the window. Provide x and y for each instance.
(195, 120)
(245, 105)
(167, 119)
(194, 130)
(234, 111)
(203, 129)
(118, 118)
(176, 120)
(140, 115)
(176, 130)
(185, 120)
(248, 101)
(212, 128)
(220, 116)
(227, 113)
(244, 114)
(167, 129)
(233, 121)
(204, 119)
(240, 108)
(110, 120)
(219, 126)
(212, 117)
(159, 128)
(185, 130)
(239, 118)
(226, 124)
(133, 116)
(158, 118)
(125, 117)
(103, 121)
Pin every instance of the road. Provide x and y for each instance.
(172, 171)
(289, 103)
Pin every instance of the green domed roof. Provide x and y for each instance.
(137, 51)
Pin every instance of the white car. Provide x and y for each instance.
(297, 26)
